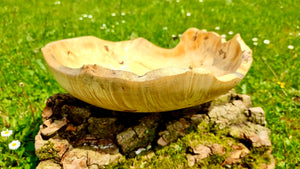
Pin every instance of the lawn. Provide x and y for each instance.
(270, 28)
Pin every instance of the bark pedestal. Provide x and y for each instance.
(226, 132)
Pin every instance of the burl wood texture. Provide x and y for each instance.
(138, 76)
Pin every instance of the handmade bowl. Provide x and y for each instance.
(138, 76)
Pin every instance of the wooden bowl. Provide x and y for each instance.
(138, 76)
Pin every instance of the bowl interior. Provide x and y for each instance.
(196, 49)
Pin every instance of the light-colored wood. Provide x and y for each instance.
(138, 76)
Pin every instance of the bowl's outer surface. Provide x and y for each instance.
(161, 89)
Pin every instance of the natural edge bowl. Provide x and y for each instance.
(138, 76)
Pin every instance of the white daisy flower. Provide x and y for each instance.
(165, 28)
(103, 26)
(267, 41)
(217, 28)
(123, 21)
(14, 145)
(255, 43)
(200, 0)
(291, 47)
(113, 14)
(188, 14)
(254, 39)
(230, 32)
(6, 133)
(21, 84)
(57, 3)
(90, 16)
(223, 36)
(123, 13)
(85, 15)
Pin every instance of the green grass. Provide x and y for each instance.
(26, 26)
